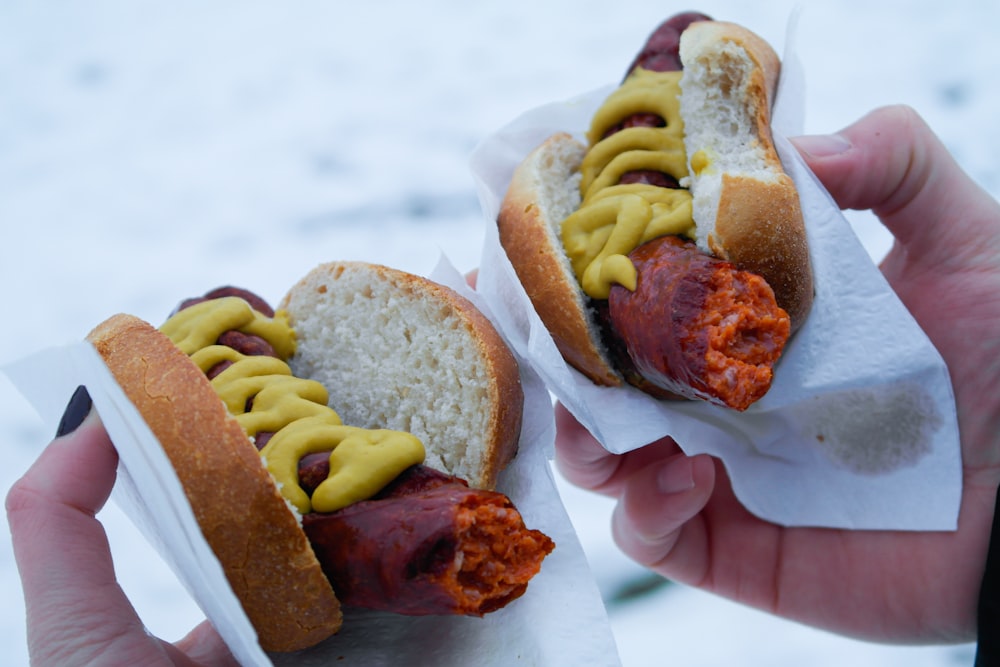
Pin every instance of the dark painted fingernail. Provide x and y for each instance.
(76, 411)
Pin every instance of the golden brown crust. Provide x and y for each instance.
(528, 234)
(257, 539)
(758, 224)
(337, 283)
(760, 229)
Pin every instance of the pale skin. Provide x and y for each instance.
(909, 587)
(76, 612)
(678, 515)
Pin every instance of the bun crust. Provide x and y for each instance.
(746, 207)
(398, 351)
(256, 537)
(759, 228)
(543, 191)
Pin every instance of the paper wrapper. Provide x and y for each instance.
(560, 620)
(858, 429)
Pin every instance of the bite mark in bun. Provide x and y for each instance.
(745, 207)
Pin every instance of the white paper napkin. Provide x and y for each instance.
(859, 428)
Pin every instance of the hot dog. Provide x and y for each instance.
(682, 150)
(341, 449)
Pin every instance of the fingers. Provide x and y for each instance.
(76, 471)
(74, 606)
(56, 500)
(892, 163)
(656, 521)
(76, 613)
(584, 462)
(579, 457)
(660, 492)
(204, 646)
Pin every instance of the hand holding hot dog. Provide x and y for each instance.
(385, 502)
(679, 516)
(76, 613)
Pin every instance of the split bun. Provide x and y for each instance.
(395, 351)
(745, 207)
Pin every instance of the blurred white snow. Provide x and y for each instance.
(151, 151)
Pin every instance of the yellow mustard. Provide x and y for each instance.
(295, 410)
(613, 220)
(362, 462)
(201, 325)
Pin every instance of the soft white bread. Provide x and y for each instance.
(745, 206)
(398, 351)
(245, 520)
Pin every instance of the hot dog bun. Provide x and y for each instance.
(543, 191)
(398, 351)
(745, 207)
(247, 523)
(420, 356)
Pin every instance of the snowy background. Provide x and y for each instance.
(151, 151)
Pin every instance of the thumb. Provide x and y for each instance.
(203, 646)
(892, 163)
(74, 609)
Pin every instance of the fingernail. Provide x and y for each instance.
(76, 411)
(676, 476)
(822, 145)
